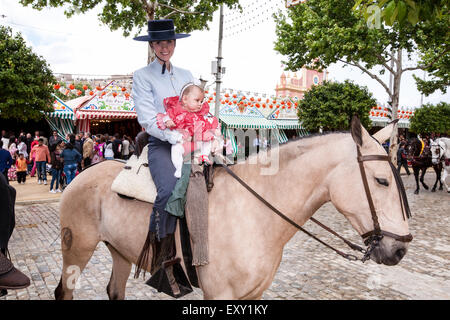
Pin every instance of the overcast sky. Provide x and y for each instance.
(82, 45)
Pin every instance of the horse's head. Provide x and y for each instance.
(377, 209)
(413, 148)
(437, 149)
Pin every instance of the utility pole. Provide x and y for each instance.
(421, 96)
(218, 70)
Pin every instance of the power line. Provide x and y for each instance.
(255, 13)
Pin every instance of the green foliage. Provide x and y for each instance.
(26, 81)
(430, 118)
(128, 14)
(404, 11)
(317, 33)
(332, 105)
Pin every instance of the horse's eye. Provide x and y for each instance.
(382, 181)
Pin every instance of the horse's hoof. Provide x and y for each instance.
(416, 192)
(426, 187)
(433, 190)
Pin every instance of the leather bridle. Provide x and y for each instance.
(371, 238)
(439, 157)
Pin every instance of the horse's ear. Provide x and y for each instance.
(385, 133)
(356, 130)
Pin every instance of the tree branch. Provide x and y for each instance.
(175, 10)
(384, 63)
(391, 55)
(148, 8)
(373, 76)
(422, 67)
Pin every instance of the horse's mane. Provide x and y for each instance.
(416, 146)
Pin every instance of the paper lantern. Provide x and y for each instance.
(57, 86)
(91, 93)
(85, 87)
(98, 88)
(124, 89)
(114, 94)
(79, 92)
(72, 87)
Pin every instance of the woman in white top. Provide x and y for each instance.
(22, 147)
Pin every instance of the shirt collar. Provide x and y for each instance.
(155, 65)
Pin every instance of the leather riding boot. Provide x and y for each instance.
(167, 273)
(10, 277)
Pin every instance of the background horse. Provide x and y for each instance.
(246, 239)
(421, 162)
(440, 151)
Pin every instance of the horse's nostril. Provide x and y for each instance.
(400, 253)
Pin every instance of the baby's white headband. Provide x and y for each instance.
(185, 87)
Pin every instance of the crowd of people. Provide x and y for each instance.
(26, 155)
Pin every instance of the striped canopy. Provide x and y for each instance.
(287, 124)
(61, 110)
(246, 122)
(94, 114)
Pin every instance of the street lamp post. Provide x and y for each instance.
(218, 71)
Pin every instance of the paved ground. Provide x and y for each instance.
(31, 192)
(308, 270)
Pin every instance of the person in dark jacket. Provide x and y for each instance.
(5, 161)
(54, 139)
(57, 166)
(10, 277)
(70, 157)
(117, 146)
(401, 158)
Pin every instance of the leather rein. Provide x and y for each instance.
(371, 238)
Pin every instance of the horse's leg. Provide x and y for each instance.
(441, 169)
(77, 250)
(444, 176)
(424, 170)
(436, 170)
(119, 275)
(416, 176)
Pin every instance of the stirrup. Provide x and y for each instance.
(170, 279)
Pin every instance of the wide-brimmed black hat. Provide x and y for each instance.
(159, 30)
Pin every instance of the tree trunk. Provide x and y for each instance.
(151, 9)
(393, 145)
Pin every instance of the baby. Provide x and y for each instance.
(187, 113)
